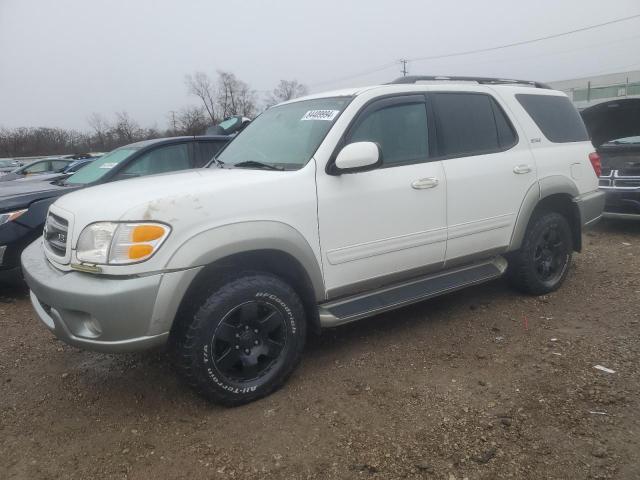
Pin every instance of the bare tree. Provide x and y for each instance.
(126, 128)
(286, 90)
(234, 96)
(101, 128)
(191, 121)
(203, 87)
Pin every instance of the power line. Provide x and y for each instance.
(558, 52)
(524, 42)
(355, 75)
(470, 52)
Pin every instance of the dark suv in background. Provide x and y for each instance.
(620, 177)
(24, 205)
(614, 128)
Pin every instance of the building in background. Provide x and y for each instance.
(590, 91)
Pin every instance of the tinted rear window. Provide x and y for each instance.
(556, 117)
(471, 124)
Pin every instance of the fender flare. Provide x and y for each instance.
(545, 187)
(217, 243)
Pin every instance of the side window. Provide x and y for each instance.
(470, 123)
(58, 166)
(160, 160)
(399, 129)
(556, 116)
(38, 168)
(205, 151)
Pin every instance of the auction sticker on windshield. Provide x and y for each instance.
(328, 115)
(108, 165)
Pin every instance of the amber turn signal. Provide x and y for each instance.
(140, 251)
(147, 233)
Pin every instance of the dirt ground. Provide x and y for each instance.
(481, 384)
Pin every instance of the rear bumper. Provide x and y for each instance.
(622, 204)
(104, 313)
(591, 206)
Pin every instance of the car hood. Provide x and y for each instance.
(46, 177)
(169, 196)
(610, 120)
(21, 194)
(10, 176)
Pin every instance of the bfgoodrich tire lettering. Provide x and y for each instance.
(245, 340)
(542, 264)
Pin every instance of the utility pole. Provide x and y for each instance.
(173, 121)
(404, 67)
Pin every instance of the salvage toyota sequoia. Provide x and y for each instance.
(325, 210)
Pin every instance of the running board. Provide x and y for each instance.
(360, 306)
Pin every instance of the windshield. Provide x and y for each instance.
(100, 167)
(285, 136)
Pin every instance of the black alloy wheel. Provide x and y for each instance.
(244, 340)
(550, 254)
(249, 341)
(542, 263)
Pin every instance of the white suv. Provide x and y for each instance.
(324, 210)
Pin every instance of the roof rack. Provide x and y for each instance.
(480, 80)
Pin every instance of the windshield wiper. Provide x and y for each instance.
(253, 163)
(218, 163)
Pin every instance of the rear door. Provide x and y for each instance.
(488, 171)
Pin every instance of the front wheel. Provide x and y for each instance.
(542, 263)
(245, 340)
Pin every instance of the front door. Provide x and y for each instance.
(382, 226)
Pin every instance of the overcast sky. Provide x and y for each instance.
(61, 60)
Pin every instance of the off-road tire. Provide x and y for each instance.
(197, 351)
(524, 272)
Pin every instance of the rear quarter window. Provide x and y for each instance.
(555, 116)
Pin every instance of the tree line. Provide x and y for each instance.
(219, 97)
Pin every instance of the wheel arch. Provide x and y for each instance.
(555, 193)
(275, 262)
(269, 247)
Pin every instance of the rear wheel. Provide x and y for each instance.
(542, 263)
(245, 340)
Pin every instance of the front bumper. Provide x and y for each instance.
(590, 206)
(108, 314)
(14, 237)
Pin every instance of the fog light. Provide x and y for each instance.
(93, 326)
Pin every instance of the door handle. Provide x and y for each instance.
(520, 169)
(424, 183)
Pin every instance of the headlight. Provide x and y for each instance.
(120, 243)
(10, 216)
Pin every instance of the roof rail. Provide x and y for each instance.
(480, 80)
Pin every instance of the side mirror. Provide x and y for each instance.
(358, 157)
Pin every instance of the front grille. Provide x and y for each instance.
(629, 172)
(628, 179)
(55, 234)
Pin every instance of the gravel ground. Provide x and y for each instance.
(481, 384)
